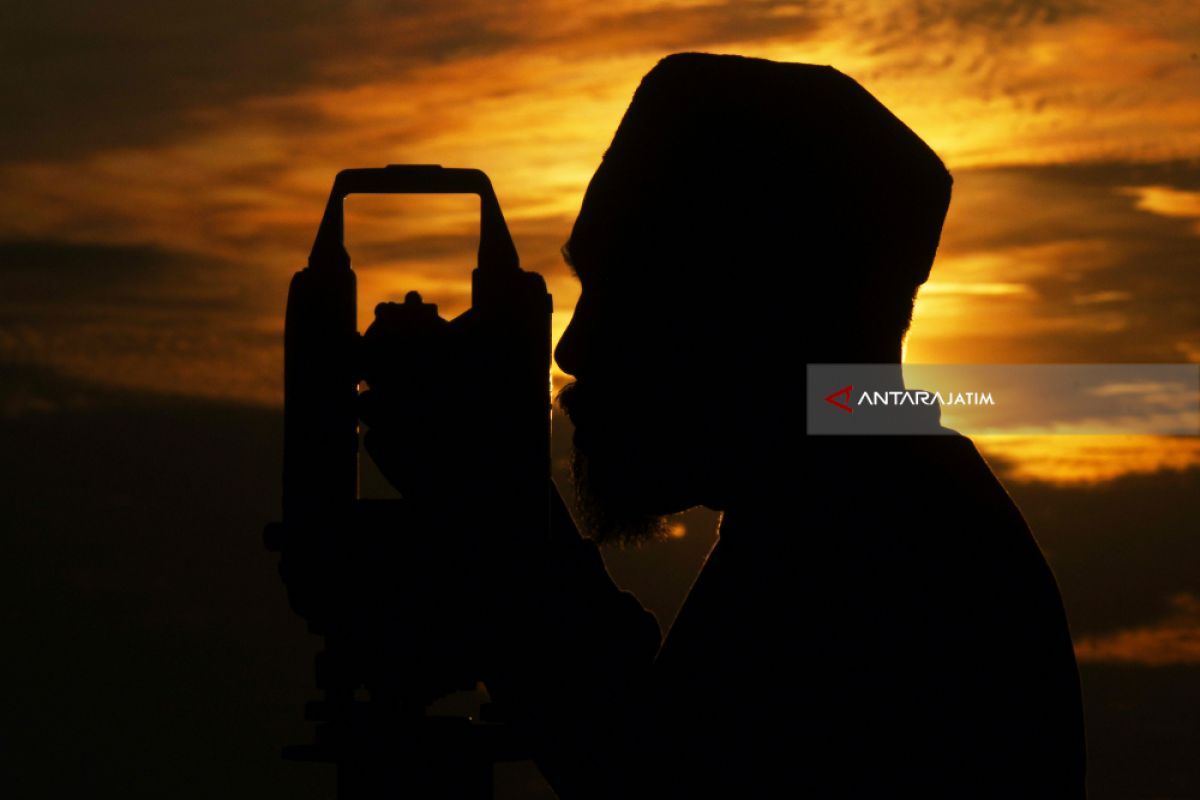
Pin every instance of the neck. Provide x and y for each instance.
(756, 479)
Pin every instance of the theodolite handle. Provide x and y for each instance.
(496, 248)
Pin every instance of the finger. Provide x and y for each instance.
(386, 409)
(369, 410)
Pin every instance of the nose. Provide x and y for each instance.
(567, 353)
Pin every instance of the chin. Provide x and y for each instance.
(631, 482)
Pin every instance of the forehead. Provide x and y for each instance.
(614, 229)
(613, 245)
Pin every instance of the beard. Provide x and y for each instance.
(603, 477)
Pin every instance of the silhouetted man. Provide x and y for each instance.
(875, 617)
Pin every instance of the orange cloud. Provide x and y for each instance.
(1086, 460)
(1174, 640)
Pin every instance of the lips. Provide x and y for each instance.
(576, 404)
(569, 399)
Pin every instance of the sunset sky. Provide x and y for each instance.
(170, 164)
(163, 168)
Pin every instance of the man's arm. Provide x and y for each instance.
(572, 667)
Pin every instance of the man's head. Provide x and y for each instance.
(748, 218)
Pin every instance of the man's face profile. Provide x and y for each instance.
(748, 217)
(619, 465)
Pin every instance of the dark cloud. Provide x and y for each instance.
(151, 635)
(1110, 281)
(1123, 551)
(77, 78)
(1173, 640)
(41, 270)
(140, 315)
(79, 276)
(1142, 738)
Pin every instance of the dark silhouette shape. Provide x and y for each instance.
(905, 633)
(876, 618)
(355, 566)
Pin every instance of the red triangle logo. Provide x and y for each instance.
(840, 393)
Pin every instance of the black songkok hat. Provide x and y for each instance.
(732, 157)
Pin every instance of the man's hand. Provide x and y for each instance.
(417, 406)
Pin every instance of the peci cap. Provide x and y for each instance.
(737, 157)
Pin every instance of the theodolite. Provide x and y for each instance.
(378, 674)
